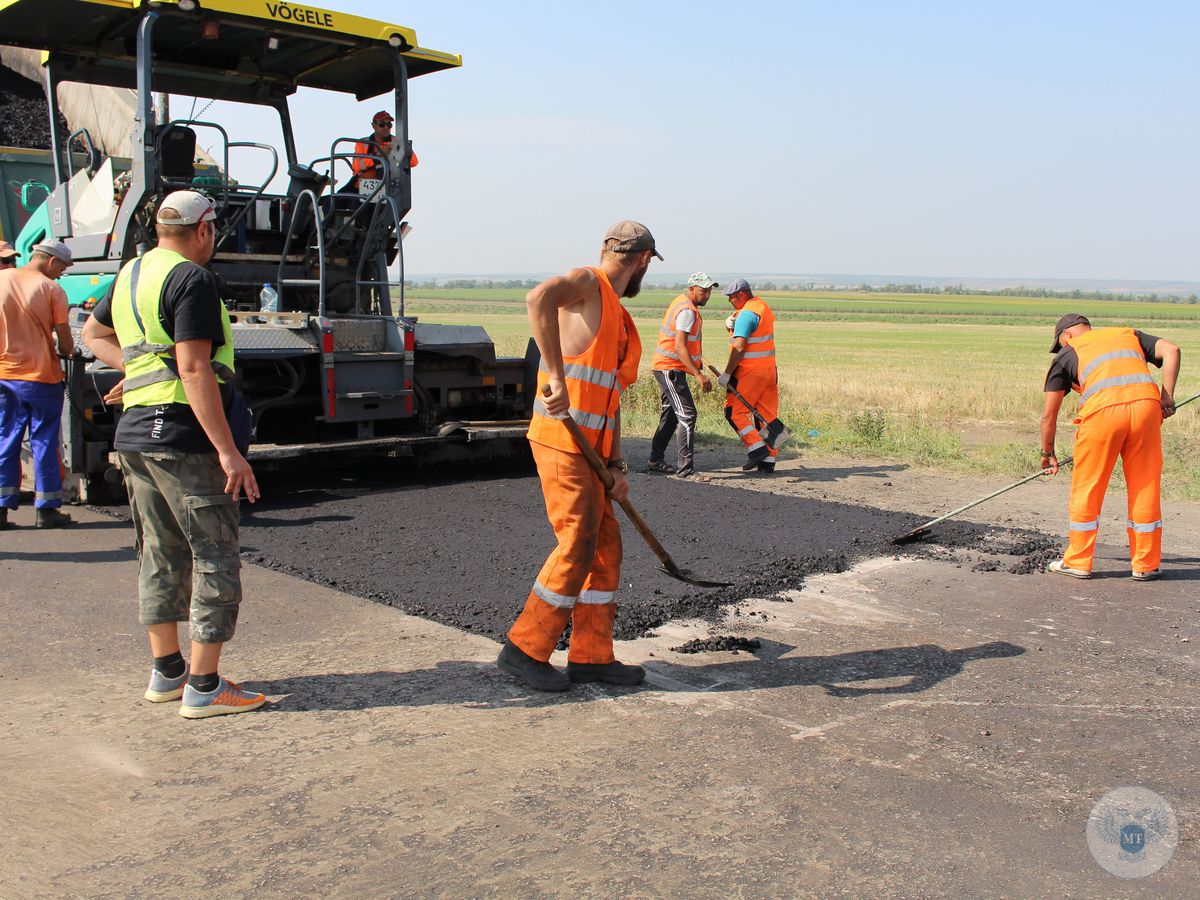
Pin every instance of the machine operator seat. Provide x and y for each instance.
(176, 156)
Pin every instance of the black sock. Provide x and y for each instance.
(170, 666)
(206, 683)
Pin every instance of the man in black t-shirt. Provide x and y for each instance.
(1121, 413)
(165, 327)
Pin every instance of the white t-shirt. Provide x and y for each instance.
(684, 320)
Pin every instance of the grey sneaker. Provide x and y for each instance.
(161, 688)
(1152, 575)
(1058, 567)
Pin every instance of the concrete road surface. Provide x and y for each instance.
(906, 728)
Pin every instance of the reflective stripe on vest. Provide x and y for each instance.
(760, 346)
(666, 358)
(151, 376)
(592, 388)
(1112, 369)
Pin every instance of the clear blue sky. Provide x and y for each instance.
(1035, 140)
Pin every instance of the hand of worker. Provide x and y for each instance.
(729, 322)
(116, 395)
(239, 476)
(1168, 404)
(705, 384)
(1049, 464)
(557, 402)
(620, 487)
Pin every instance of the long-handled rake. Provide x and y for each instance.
(921, 529)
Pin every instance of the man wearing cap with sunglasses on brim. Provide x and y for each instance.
(679, 354)
(377, 143)
(182, 466)
(1120, 415)
(9, 258)
(590, 353)
(33, 314)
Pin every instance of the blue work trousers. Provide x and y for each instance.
(35, 406)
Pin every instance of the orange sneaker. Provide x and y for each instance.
(228, 698)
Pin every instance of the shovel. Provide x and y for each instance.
(668, 565)
(775, 433)
(920, 530)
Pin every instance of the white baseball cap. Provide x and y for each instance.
(189, 207)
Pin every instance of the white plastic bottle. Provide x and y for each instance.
(268, 299)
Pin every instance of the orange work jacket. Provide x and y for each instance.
(369, 168)
(594, 382)
(665, 357)
(760, 346)
(1112, 369)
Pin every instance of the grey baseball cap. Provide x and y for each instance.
(57, 249)
(7, 250)
(736, 286)
(630, 237)
(1063, 324)
(190, 207)
(702, 280)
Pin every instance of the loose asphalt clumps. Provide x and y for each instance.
(24, 121)
(727, 642)
(464, 551)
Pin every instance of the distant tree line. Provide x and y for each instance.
(864, 288)
(511, 284)
(960, 289)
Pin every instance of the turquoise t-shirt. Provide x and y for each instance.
(744, 324)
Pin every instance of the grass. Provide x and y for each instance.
(934, 380)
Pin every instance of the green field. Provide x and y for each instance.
(930, 379)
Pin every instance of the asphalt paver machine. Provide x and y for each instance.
(326, 356)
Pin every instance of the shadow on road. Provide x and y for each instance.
(124, 554)
(480, 685)
(809, 475)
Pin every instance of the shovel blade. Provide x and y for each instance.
(687, 577)
(777, 434)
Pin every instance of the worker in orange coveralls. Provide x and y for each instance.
(1121, 414)
(751, 371)
(590, 353)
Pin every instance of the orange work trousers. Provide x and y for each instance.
(579, 580)
(760, 387)
(1132, 431)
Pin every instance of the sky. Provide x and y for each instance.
(1001, 140)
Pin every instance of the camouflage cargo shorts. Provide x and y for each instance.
(186, 529)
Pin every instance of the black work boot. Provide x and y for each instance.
(538, 675)
(51, 518)
(3, 517)
(767, 467)
(610, 673)
(754, 457)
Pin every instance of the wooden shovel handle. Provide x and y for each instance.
(593, 458)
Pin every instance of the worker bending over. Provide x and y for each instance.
(751, 370)
(590, 353)
(1120, 414)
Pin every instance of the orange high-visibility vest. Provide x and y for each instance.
(665, 357)
(592, 385)
(368, 168)
(1112, 369)
(760, 346)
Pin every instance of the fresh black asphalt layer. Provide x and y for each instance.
(464, 551)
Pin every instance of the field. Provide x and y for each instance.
(934, 380)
